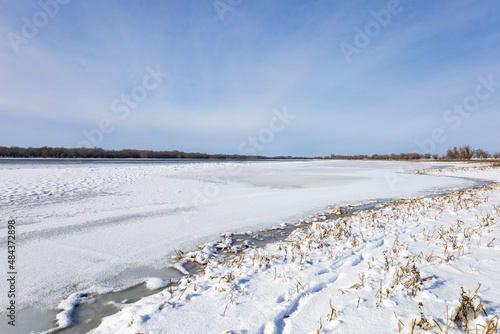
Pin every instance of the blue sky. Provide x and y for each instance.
(233, 65)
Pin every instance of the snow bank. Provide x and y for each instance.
(155, 283)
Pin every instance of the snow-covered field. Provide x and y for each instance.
(423, 264)
(81, 224)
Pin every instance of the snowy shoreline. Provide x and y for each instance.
(367, 274)
(55, 211)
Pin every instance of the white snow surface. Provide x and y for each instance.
(384, 270)
(81, 224)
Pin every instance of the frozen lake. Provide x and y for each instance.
(82, 223)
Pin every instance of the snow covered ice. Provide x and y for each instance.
(402, 267)
(84, 223)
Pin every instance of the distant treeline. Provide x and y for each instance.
(61, 152)
(456, 153)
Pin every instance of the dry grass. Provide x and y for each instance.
(471, 306)
(483, 167)
(423, 323)
(333, 312)
(345, 233)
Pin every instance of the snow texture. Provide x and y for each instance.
(83, 224)
(402, 266)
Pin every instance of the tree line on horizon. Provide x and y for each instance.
(456, 153)
(464, 152)
(99, 153)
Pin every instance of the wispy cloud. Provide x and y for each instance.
(226, 77)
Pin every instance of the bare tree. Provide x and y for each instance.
(466, 152)
(481, 154)
(453, 153)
